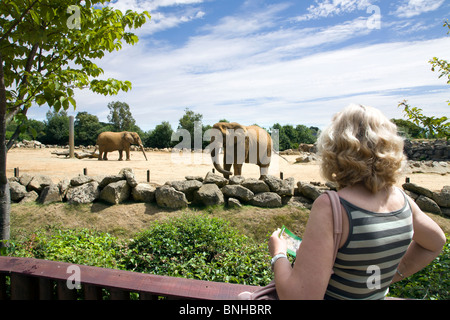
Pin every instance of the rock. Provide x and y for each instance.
(332, 185)
(63, 186)
(237, 191)
(216, 179)
(39, 182)
(85, 193)
(50, 194)
(129, 176)
(198, 178)
(412, 195)
(274, 183)
(30, 196)
(267, 200)
(143, 192)
(209, 194)
(417, 189)
(287, 187)
(80, 179)
(446, 211)
(116, 192)
(308, 190)
(110, 179)
(167, 197)
(428, 205)
(234, 203)
(255, 185)
(25, 179)
(17, 191)
(300, 201)
(188, 187)
(236, 179)
(442, 198)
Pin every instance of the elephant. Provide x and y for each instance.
(110, 141)
(241, 144)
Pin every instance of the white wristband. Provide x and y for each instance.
(276, 257)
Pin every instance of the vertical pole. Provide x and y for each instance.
(148, 175)
(71, 138)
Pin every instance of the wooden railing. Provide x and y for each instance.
(35, 279)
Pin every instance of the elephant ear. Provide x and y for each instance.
(128, 137)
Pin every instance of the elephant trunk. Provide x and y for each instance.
(142, 149)
(215, 160)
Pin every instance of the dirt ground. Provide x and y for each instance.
(167, 166)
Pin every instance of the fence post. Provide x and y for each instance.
(71, 138)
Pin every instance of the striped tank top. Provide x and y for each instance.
(367, 262)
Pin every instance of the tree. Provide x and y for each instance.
(56, 128)
(305, 134)
(120, 116)
(161, 136)
(188, 122)
(47, 48)
(434, 127)
(408, 129)
(29, 130)
(87, 127)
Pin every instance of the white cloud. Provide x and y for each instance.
(412, 8)
(149, 5)
(327, 8)
(161, 21)
(275, 88)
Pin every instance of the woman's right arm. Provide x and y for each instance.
(427, 243)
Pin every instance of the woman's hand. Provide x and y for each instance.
(277, 244)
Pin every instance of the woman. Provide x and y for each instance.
(386, 237)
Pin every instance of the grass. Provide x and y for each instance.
(125, 220)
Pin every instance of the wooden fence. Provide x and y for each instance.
(35, 279)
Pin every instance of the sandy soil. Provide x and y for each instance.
(166, 166)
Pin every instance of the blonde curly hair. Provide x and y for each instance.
(361, 145)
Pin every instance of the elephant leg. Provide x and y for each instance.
(127, 151)
(237, 169)
(105, 155)
(120, 155)
(263, 171)
(100, 152)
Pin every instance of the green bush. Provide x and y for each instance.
(198, 247)
(81, 246)
(431, 283)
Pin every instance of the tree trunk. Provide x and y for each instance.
(5, 200)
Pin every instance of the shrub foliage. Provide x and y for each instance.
(198, 246)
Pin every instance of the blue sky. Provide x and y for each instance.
(287, 62)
